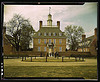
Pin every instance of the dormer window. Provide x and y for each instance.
(39, 34)
(80, 44)
(54, 34)
(88, 42)
(45, 34)
(49, 33)
(60, 34)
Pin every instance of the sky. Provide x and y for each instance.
(80, 15)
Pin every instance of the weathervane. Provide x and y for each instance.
(49, 9)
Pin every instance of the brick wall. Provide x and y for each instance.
(42, 45)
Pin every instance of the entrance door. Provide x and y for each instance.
(50, 52)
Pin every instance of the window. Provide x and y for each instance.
(49, 33)
(44, 48)
(84, 50)
(38, 48)
(45, 34)
(39, 41)
(39, 34)
(54, 41)
(54, 34)
(88, 42)
(60, 34)
(60, 41)
(45, 40)
(49, 41)
(80, 44)
(60, 48)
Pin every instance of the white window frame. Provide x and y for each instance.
(39, 48)
(39, 34)
(60, 41)
(39, 41)
(60, 49)
(54, 41)
(49, 33)
(45, 49)
(54, 34)
(45, 41)
(45, 34)
(60, 34)
(84, 50)
(49, 41)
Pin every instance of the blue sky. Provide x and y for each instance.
(80, 15)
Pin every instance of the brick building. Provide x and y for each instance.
(89, 44)
(49, 38)
(7, 47)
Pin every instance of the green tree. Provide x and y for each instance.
(73, 36)
(20, 30)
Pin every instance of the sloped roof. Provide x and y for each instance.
(9, 38)
(88, 40)
(52, 30)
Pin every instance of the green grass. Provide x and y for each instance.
(18, 68)
(89, 72)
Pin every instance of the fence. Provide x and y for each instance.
(51, 59)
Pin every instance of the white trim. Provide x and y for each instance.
(39, 48)
(39, 41)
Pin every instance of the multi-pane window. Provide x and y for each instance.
(54, 41)
(86, 49)
(49, 33)
(39, 41)
(80, 44)
(60, 41)
(60, 48)
(82, 50)
(39, 48)
(60, 34)
(45, 40)
(44, 48)
(39, 34)
(45, 34)
(54, 34)
(49, 41)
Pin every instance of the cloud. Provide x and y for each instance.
(66, 14)
(89, 33)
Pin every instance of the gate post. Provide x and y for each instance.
(75, 58)
(82, 58)
(22, 58)
(31, 59)
(46, 58)
(62, 59)
(25, 57)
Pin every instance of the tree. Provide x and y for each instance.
(73, 35)
(20, 30)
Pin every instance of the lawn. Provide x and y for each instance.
(17, 68)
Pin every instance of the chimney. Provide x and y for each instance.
(40, 22)
(83, 37)
(58, 24)
(95, 32)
